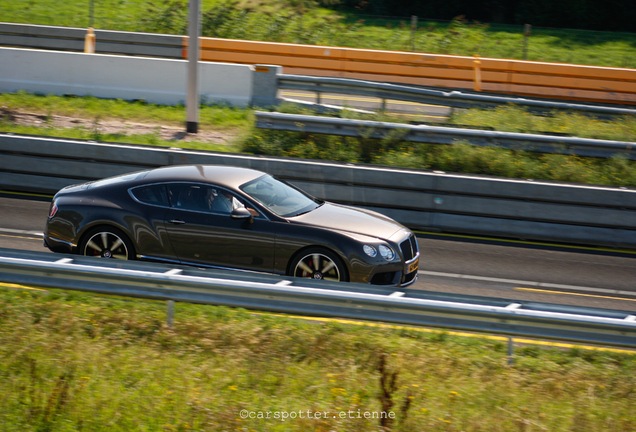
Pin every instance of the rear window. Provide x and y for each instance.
(151, 194)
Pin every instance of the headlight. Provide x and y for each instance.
(386, 252)
(370, 250)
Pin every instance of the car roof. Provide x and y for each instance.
(222, 175)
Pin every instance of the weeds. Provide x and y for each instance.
(308, 23)
(90, 362)
(391, 150)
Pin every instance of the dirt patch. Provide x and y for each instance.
(115, 127)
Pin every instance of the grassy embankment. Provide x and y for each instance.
(73, 362)
(80, 362)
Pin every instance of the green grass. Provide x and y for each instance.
(300, 22)
(392, 151)
(91, 107)
(73, 361)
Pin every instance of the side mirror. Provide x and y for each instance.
(242, 213)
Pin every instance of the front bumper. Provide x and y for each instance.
(403, 275)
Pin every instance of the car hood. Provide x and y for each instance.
(350, 219)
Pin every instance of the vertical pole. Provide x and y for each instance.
(477, 65)
(89, 41)
(511, 351)
(413, 31)
(527, 29)
(192, 101)
(170, 313)
(91, 13)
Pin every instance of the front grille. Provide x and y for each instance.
(409, 248)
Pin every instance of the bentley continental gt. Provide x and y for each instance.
(231, 218)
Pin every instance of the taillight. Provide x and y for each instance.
(53, 209)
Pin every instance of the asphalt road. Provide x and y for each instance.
(450, 264)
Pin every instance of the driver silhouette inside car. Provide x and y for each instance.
(219, 201)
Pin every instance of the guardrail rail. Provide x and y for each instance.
(534, 79)
(421, 200)
(453, 99)
(445, 135)
(301, 296)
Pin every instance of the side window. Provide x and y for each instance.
(152, 194)
(202, 198)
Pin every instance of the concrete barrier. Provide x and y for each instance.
(581, 83)
(160, 81)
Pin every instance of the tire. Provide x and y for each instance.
(107, 242)
(319, 264)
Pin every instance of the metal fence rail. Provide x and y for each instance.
(432, 201)
(299, 296)
(502, 76)
(108, 41)
(454, 99)
(445, 135)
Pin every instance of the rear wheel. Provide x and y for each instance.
(107, 242)
(319, 264)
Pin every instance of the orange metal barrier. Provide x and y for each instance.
(523, 78)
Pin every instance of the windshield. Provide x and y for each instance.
(278, 197)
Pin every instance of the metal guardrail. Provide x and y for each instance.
(300, 296)
(454, 99)
(421, 200)
(445, 135)
(501, 76)
(172, 46)
(107, 41)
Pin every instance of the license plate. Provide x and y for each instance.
(413, 266)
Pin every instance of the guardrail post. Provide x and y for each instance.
(527, 29)
(89, 41)
(318, 94)
(477, 66)
(511, 351)
(170, 313)
(413, 31)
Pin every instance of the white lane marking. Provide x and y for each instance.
(526, 283)
(9, 231)
(173, 272)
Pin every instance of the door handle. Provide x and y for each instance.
(177, 221)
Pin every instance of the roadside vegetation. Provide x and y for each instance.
(73, 361)
(318, 22)
(78, 362)
(91, 119)
(313, 22)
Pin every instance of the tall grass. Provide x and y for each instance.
(72, 361)
(301, 22)
(392, 151)
(219, 116)
(461, 157)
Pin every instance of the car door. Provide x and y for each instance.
(202, 230)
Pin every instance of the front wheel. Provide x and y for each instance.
(107, 242)
(319, 264)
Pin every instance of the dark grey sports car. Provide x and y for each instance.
(229, 217)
